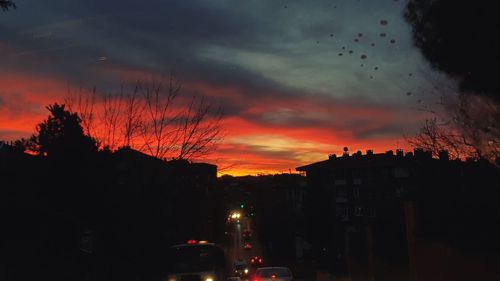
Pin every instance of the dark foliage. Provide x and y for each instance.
(6, 4)
(62, 135)
(459, 38)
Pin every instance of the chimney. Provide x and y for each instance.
(443, 155)
(418, 152)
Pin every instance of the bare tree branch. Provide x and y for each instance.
(201, 130)
(83, 102)
(159, 136)
(132, 119)
(151, 119)
(111, 119)
(470, 129)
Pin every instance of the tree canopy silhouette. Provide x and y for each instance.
(459, 38)
(6, 4)
(62, 134)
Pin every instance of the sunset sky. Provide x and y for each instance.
(297, 80)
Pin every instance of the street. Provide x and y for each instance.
(236, 251)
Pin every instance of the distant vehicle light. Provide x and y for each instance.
(235, 215)
(202, 242)
(246, 270)
(191, 241)
(256, 260)
(209, 279)
(273, 276)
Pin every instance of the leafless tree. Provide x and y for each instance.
(151, 118)
(158, 130)
(478, 118)
(83, 102)
(468, 127)
(436, 137)
(201, 129)
(111, 119)
(132, 116)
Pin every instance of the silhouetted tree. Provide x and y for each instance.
(201, 129)
(159, 132)
(62, 134)
(83, 102)
(465, 126)
(436, 137)
(152, 117)
(111, 119)
(6, 4)
(132, 119)
(458, 38)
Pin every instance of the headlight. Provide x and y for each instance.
(246, 270)
(209, 279)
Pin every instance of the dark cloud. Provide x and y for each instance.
(392, 130)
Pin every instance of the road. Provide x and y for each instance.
(236, 251)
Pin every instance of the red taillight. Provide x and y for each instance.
(260, 260)
(191, 242)
(273, 276)
(256, 279)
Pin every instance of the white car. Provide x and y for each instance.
(273, 274)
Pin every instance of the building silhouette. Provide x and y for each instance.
(385, 208)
